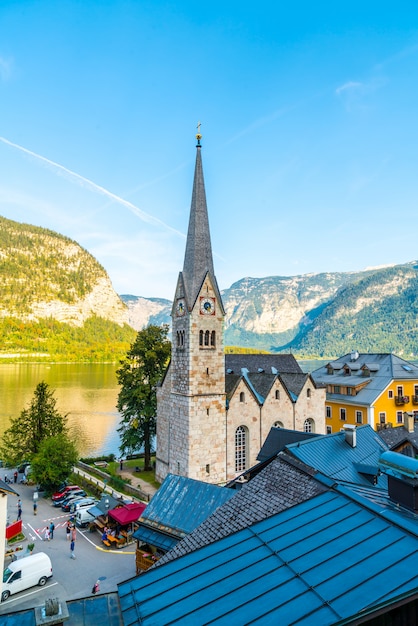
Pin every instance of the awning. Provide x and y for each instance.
(155, 538)
(128, 513)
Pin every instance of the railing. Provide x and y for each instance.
(144, 560)
(400, 400)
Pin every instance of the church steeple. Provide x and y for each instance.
(198, 259)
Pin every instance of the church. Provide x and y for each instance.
(214, 411)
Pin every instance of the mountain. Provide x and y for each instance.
(319, 315)
(56, 300)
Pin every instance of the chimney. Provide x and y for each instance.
(402, 473)
(350, 435)
(354, 355)
(408, 420)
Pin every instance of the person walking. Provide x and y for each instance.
(51, 530)
(73, 533)
(19, 509)
(72, 546)
(96, 587)
(46, 536)
(15, 477)
(68, 530)
(35, 507)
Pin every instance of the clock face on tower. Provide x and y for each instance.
(207, 306)
(180, 307)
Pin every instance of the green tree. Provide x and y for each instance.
(54, 461)
(139, 373)
(40, 421)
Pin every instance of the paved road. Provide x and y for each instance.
(71, 578)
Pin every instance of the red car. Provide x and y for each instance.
(59, 495)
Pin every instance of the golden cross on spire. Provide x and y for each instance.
(198, 136)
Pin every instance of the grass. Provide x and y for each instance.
(130, 465)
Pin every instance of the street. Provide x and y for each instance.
(71, 578)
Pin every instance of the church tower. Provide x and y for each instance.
(191, 400)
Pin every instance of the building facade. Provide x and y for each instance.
(215, 411)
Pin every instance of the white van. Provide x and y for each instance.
(83, 518)
(27, 572)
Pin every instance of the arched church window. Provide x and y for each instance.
(213, 338)
(277, 394)
(241, 437)
(309, 426)
(200, 337)
(242, 397)
(206, 338)
(278, 425)
(308, 392)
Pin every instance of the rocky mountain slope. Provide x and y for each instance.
(322, 315)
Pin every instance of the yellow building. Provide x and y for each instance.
(376, 389)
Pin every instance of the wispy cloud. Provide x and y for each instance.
(5, 68)
(89, 184)
(354, 93)
(348, 86)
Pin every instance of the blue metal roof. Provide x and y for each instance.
(318, 562)
(155, 538)
(181, 504)
(333, 456)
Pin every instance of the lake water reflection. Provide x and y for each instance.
(87, 393)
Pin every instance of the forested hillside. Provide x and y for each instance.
(57, 302)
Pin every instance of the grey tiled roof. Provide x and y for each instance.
(294, 382)
(278, 439)
(279, 486)
(283, 363)
(395, 436)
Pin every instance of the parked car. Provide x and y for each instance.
(83, 518)
(83, 503)
(76, 493)
(59, 495)
(22, 467)
(25, 573)
(66, 504)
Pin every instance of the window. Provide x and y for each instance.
(200, 337)
(349, 391)
(242, 397)
(399, 390)
(415, 390)
(309, 426)
(382, 418)
(278, 424)
(329, 430)
(206, 337)
(390, 393)
(399, 417)
(240, 449)
(213, 339)
(359, 417)
(208, 468)
(308, 392)
(328, 411)
(343, 414)
(337, 388)
(277, 394)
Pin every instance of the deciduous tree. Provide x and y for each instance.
(54, 461)
(139, 373)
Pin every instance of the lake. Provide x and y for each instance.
(86, 393)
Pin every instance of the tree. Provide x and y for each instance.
(54, 461)
(139, 373)
(22, 440)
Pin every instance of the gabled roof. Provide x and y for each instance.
(278, 439)
(7, 488)
(269, 363)
(300, 566)
(128, 512)
(278, 486)
(334, 457)
(181, 504)
(393, 437)
(383, 367)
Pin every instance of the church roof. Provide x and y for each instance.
(198, 260)
(269, 363)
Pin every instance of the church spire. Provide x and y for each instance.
(198, 259)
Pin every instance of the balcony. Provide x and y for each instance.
(400, 400)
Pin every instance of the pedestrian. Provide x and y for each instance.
(68, 530)
(51, 530)
(46, 536)
(15, 477)
(121, 464)
(72, 546)
(73, 533)
(35, 507)
(96, 587)
(19, 509)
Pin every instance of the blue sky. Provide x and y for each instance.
(309, 124)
